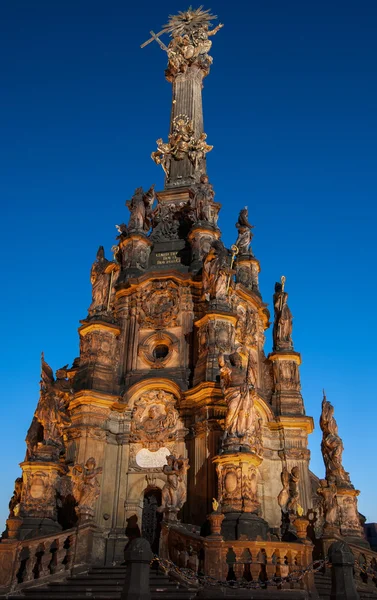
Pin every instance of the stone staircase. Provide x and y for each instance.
(323, 585)
(105, 583)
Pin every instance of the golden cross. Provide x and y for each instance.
(155, 37)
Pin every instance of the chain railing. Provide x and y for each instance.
(200, 580)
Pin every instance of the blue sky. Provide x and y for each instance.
(290, 107)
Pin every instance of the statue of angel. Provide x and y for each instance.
(86, 487)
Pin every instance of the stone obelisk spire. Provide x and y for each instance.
(183, 156)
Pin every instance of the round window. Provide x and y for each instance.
(160, 351)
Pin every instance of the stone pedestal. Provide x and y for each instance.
(350, 528)
(201, 237)
(13, 526)
(301, 525)
(247, 272)
(135, 250)
(244, 526)
(237, 478)
(215, 519)
(38, 508)
(287, 398)
(216, 334)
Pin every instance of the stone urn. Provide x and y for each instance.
(13, 525)
(216, 519)
(301, 525)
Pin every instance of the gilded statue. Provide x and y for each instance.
(85, 485)
(327, 491)
(282, 330)
(202, 205)
(51, 416)
(182, 143)
(140, 207)
(174, 492)
(100, 279)
(242, 425)
(244, 232)
(332, 445)
(216, 273)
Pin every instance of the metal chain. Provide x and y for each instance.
(189, 577)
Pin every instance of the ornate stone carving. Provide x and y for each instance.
(348, 514)
(190, 42)
(286, 375)
(203, 209)
(135, 253)
(159, 305)
(182, 143)
(282, 330)
(244, 232)
(154, 419)
(266, 375)
(99, 346)
(86, 487)
(247, 327)
(157, 349)
(216, 273)
(242, 423)
(327, 491)
(51, 416)
(140, 207)
(237, 480)
(174, 492)
(102, 280)
(332, 445)
(288, 498)
(38, 497)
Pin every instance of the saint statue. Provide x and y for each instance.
(282, 331)
(140, 207)
(238, 385)
(86, 487)
(51, 416)
(216, 273)
(100, 280)
(288, 498)
(202, 201)
(14, 503)
(328, 491)
(244, 232)
(174, 492)
(332, 445)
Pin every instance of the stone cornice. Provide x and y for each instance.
(88, 327)
(292, 422)
(291, 355)
(92, 398)
(232, 318)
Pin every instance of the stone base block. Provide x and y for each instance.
(35, 526)
(244, 526)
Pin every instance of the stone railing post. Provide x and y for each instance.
(342, 582)
(138, 557)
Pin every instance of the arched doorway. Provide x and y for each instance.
(151, 519)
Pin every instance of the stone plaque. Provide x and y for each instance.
(167, 258)
(150, 460)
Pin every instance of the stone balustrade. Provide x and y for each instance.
(365, 571)
(24, 562)
(240, 560)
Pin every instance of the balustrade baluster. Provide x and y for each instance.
(30, 564)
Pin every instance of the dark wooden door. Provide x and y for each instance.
(151, 519)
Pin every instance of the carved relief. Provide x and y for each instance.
(135, 254)
(247, 326)
(99, 346)
(224, 336)
(38, 497)
(154, 419)
(286, 375)
(349, 515)
(237, 486)
(159, 305)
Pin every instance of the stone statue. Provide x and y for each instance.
(14, 503)
(86, 487)
(202, 202)
(100, 280)
(140, 207)
(51, 416)
(216, 273)
(174, 492)
(282, 330)
(288, 498)
(190, 44)
(328, 491)
(244, 232)
(332, 445)
(237, 385)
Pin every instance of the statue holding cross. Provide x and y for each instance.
(190, 44)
